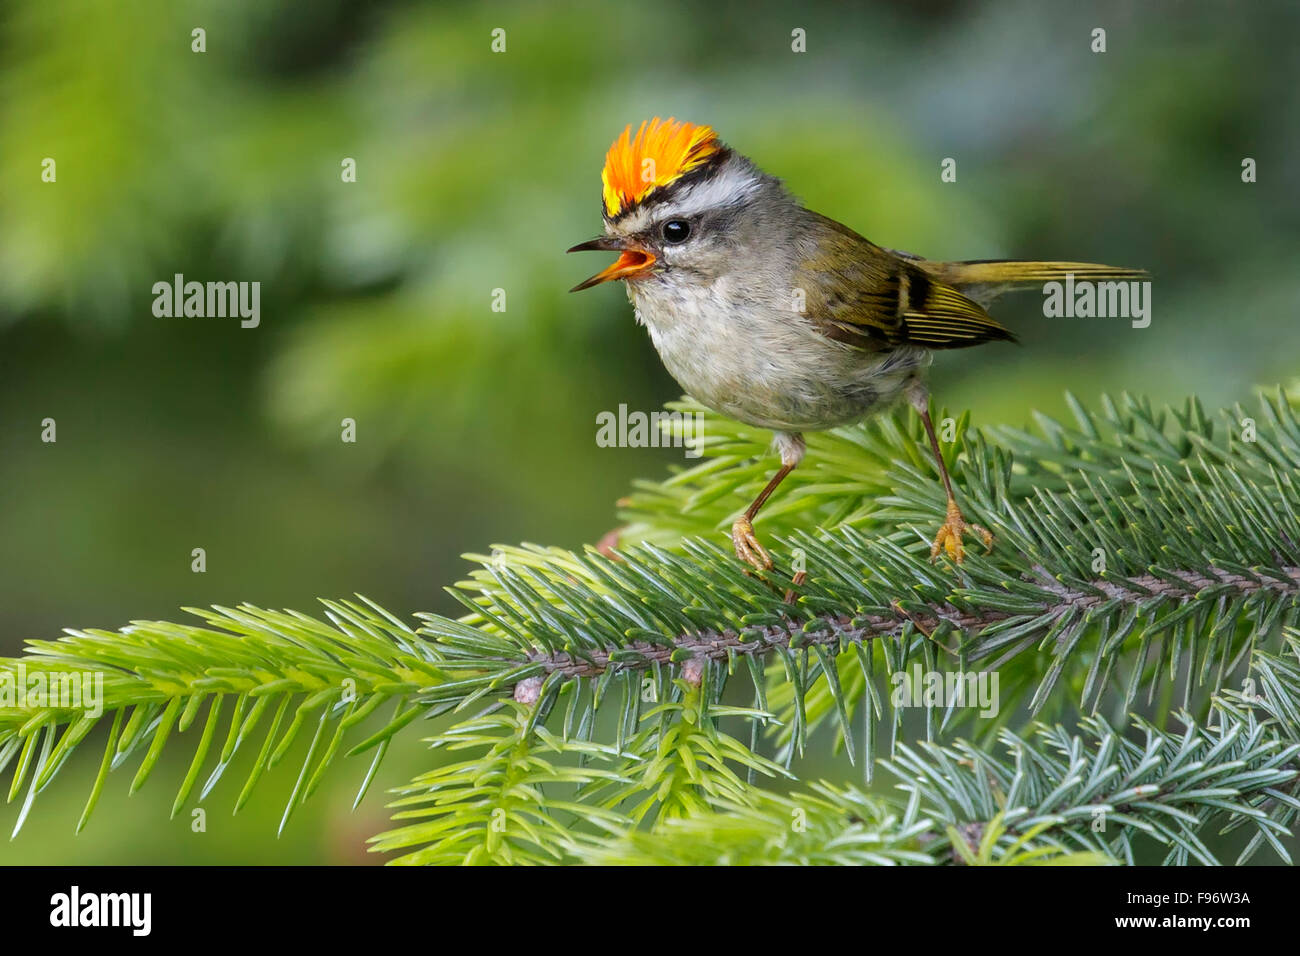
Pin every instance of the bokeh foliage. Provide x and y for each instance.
(475, 171)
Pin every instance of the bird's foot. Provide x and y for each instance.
(950, 534)
(747, 546)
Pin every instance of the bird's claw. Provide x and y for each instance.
(748, 548)
(950, 534)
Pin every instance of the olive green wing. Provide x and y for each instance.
(860, 294)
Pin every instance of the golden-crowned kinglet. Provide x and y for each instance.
(782, 318)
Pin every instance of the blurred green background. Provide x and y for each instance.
(475, 170)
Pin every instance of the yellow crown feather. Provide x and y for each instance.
(661, 153)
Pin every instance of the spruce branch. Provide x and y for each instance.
(265, 676)
(492, 806)
(1049, 798)
(1098, 790)
(1177, 587)
(1139, 552)
(824, 825)
(1232, 562)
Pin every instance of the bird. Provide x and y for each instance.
(782, 318)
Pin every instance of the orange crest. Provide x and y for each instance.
(660, 153)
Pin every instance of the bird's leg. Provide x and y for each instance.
(746, 543)
(743, 539)
(954, 525)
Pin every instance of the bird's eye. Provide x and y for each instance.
(676, 230)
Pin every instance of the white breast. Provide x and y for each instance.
(757, 360)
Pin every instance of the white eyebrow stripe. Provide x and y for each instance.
(729, 185)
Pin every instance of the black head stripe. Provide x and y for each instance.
(661, 194)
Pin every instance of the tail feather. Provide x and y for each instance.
(984, 279)
(1025, 270)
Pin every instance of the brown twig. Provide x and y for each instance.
(719, 645)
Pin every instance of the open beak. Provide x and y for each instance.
(630, 264)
